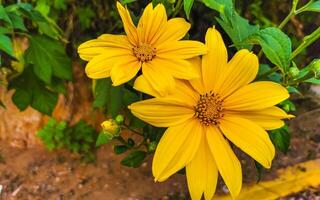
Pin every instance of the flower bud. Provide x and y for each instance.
(119, 119)
(110, 126)
(152, 146)
(315, 66)
(294, 71)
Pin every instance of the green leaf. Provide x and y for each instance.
(103, 138)
(17, 21)
(313, 81)
(4, 16)
(43, 7)
(129, 97)
(101, 92)
(219, 5)
(187, 5)
(60, 4)
(281, 138)
(275, 44)
(292, 89)
(237, 28)
(124, 2)
(48, 58)
(44, 100)
(134, 159)
(119, 149)
(29, 90)
(6, 45)
(33, 14)
(115, 104)
(313, 7)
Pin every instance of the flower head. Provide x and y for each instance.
(111, 126)
(205, 114)
(154, 45)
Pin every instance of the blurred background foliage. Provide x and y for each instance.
(39, 40)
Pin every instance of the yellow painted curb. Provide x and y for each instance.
(290, 180)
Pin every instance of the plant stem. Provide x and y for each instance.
(297, 81)
(177, 8)
(291, 14)
(308, 40)
(285, 21)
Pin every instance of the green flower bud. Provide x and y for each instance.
(294, 71)
(152, 146)
(315, 66)
(119, 119)
(111, 126)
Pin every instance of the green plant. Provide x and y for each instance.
(33, 61)
(78, 138)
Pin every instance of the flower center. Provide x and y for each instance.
(209, 109)
(144, 52)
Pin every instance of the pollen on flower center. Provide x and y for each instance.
(144, 52)
(209, 109)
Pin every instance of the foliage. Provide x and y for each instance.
(78, 138)
(38, 71)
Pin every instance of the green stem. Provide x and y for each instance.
(177, 8)
(297, 81)
(302, 9)
(286, 20)
(308, 40)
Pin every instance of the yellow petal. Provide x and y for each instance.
(128, 25)
(141, 84)
(151, 23)
(269, 118)
(178, 68)
(100, 66)
(213, 63)
(197, 83)
(175, 29)
(111, 45)
(250, 138)
(176, 149)
(124, 71)
(183, 91)
(256, 96)
(240, 71)
(202, 173)
(159, 79)
(162, 112)
(228, 164)
(181, 49)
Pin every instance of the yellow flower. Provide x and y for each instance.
(154, 45)
(205, 114)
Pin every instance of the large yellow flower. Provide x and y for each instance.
(154, 45)
(204, 114)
